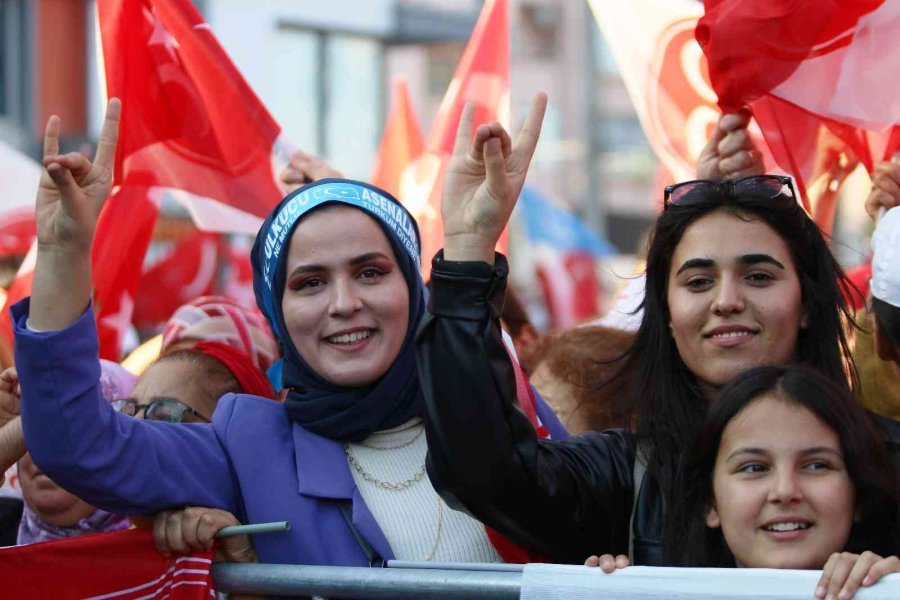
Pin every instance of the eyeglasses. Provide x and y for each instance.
(759, 187)
(168, 410)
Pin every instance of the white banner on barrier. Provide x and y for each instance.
(558, 582)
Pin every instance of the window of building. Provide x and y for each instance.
(353, 102)
(329, 94)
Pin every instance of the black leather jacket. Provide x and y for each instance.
(565, 499)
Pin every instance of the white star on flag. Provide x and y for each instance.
(119, 321)
(161, 37)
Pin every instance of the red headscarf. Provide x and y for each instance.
(249, 377)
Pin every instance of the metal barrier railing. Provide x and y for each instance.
(362, 582)
(405, 580)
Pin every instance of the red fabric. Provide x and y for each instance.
(481, 77)
(401, 142)
(570, 287)
(17, 231)
(189, 271)
(20, 288)
(189, 120)
(249, 377)
(124, 566)
(120, 243)
(816, 77)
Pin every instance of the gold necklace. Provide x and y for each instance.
(402, 485)
(388, 485)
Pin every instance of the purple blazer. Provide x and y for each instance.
(251, 460)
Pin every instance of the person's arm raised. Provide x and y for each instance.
(562, 499)
(69, 199)
(483, 182)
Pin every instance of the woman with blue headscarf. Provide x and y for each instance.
(336, 272)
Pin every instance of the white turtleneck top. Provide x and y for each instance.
(410, 518)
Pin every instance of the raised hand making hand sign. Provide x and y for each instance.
(71, 194)
(483, 182)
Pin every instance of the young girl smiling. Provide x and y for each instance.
(799, 480)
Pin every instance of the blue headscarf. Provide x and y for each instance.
(335, 412)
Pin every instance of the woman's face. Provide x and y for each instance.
(782, 494)
(734, 298)
(52, 504)
(346, 302)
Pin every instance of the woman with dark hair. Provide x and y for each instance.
(738, 276)
(787, 472)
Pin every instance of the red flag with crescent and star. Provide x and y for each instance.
(192, 129)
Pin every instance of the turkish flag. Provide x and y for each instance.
(401, 142)
(818, 76)
(482, 77)
(189, 122)
(191, 128)
(123, 565)
(665, 74)
(122, 236)
(187, 272)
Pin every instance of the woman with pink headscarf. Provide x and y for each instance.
(215, 318)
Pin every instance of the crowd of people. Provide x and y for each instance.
(385, 420)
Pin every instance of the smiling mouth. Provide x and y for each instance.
(350, 338)
(731, 335)
(785, 527)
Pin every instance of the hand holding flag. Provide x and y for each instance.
(730, 152)
(71, 194)
(483, 182)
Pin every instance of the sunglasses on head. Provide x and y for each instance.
(760, 187)
(168, 410)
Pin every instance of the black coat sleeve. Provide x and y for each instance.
(566, 499)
